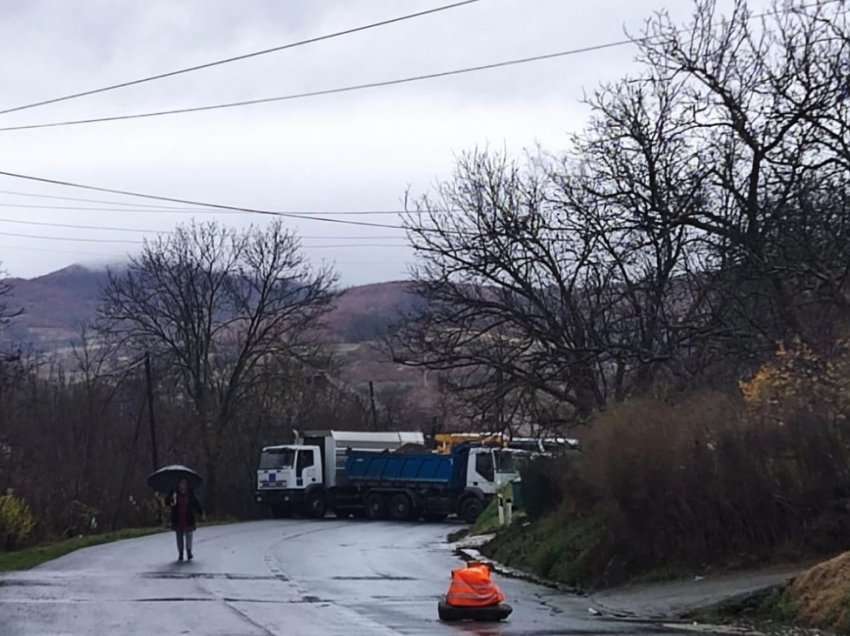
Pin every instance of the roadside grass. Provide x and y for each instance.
(487, 522)
(28, 558)
(551, 548)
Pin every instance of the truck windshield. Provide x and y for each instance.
(505, 462)
(277, 458)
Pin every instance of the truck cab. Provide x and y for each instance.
(487, 469)
(285, 475)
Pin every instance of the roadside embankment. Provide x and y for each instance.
(817, 598)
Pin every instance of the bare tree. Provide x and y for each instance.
(509, 288)
(768, 102)
(703, 212)
(7, 312)
(215, 307)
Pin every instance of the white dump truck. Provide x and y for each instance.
(296, 477)
(374, 475)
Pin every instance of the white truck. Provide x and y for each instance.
(296, 477)
(370, 474)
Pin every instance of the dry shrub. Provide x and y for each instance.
(653, 468)
(819, 596)
(715, 477)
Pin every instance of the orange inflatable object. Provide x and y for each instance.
(472, 586)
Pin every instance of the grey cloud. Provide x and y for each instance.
(359, 150)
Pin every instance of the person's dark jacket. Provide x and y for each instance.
(193, 508)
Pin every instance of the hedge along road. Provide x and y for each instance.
(272, 578)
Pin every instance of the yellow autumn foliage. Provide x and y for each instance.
(16, 521)
(800, 380)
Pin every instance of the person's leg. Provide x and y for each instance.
(179, 544)
(189, 535)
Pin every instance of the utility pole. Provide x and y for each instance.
(151, 418)
(127, 468)
(500, 404)
(372, 402)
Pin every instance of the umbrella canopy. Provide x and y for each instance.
(164, 480)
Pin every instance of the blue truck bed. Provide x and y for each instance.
(421, 468)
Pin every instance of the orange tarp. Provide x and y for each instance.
(472, 587)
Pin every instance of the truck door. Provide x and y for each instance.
(307, 468)
(482, 471)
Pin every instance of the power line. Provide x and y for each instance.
(237, 58)
(42, 237)
(36, 195)
(83, 227)
(370, 245)
(69, 238)
(246, 210)
(27, 248)
(111, 228)
(367, 85)
(152, 207)
(328, 91)
(174, 210)
(143, 209)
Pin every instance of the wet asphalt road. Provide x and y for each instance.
(273, 578)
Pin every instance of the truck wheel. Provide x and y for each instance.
(315, 505)
(470, 509)
(376, 507)
(401, 508)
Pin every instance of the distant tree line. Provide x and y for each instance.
(229, 323)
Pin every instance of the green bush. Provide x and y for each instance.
(16, 521)
(564, 550)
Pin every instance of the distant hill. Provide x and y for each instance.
(57, 304)
(366, 312)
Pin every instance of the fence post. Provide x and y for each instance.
(500, 500)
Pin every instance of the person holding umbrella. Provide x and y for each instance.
(179, 482)
(184, 505)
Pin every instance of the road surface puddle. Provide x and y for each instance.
(385, 577)
(25, 583)
(212, 575)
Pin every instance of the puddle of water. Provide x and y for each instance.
(229, 599)
(373, 578)
(213, 575)
(25, 583)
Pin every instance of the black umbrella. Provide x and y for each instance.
(165, 479)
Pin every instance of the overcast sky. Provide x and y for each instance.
(353, 151)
